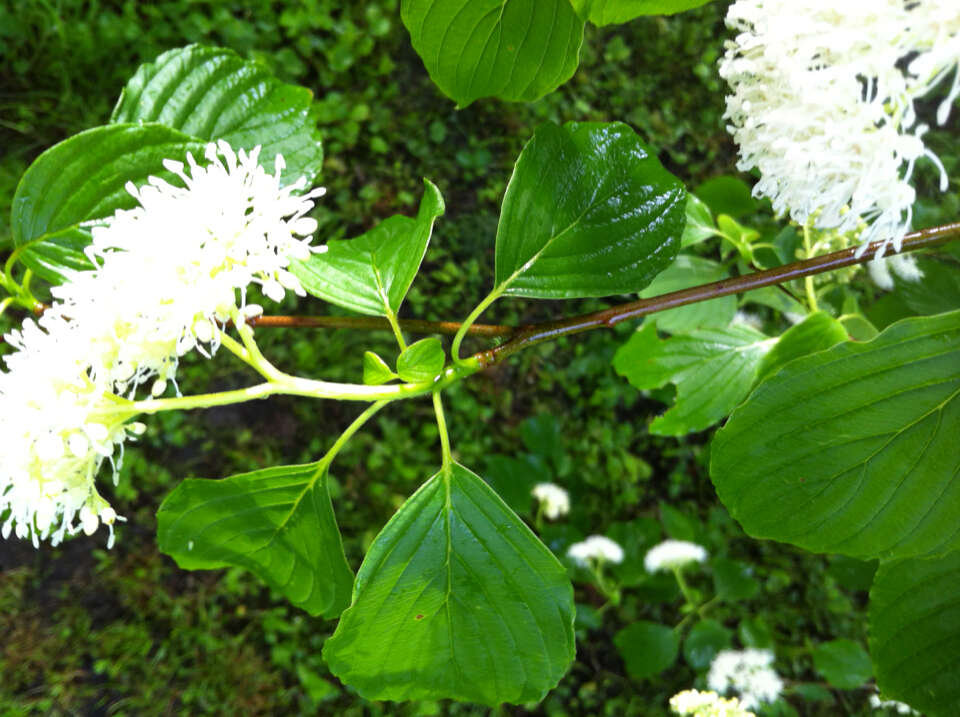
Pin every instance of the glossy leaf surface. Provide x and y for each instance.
(421, 361)
(212, 93)
(456, 598)
(372, 273)
(82, 179)
(278, 523)
(589, 211)
(852, 450)
(516, 50)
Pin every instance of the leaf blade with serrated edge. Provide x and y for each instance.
(456, 598)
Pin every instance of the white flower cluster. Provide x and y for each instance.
(166, 275)
(749, 672)
(554, 500)
(595, 549)
(707, 704)
(899, 707)
(823, 104)
(672, 554)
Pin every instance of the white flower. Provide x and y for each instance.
(903, 265)
(822, 104)
(748, 672)
(167, 274)
(554, 500)
(672, 554)
(707, 704)
(899, 707)
(596, 548)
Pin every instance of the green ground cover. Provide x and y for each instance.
(87, 631)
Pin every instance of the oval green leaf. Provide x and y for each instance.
(375, 370)
(212, 93)
(82, 179)
(278, 523)
(843, 663)
(421, 361)
(516, 50)
(456, 598)
(589, 211)
(647, 648)
(706, 639)
(915, 632)
(372, 273)
(852, 450)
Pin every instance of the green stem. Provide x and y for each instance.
(295, 386)
(685, 589)
(447, 455)
(468, 322)
(358, 422)
(398, 334)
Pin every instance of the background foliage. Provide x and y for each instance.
(126, 632)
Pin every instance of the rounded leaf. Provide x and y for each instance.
(647, 648)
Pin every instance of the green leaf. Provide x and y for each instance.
(375, 370)
(869, 467)
(739, 236)
(713, 369)
(278, 523)
(843, 663)
(647, 648)
(589, 211)
(703, 643)
(685, 272)
(542, 436)
(937, 291)
(372, 273)
(608, 12)
(421, 361)
(82, 179)
(817, 332)
(733, 580)
(516, 50)
(727, 195)
(456, 598)
(915, 632)
(754, 632)
(212, 93)
(699, 226)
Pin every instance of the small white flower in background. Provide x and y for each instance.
(823, 105)
(750, 320)
(595, 549)
(707, 704)
(167, 274)
(749, 672)
(553, 499)
(672, 554)
(899, 707)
